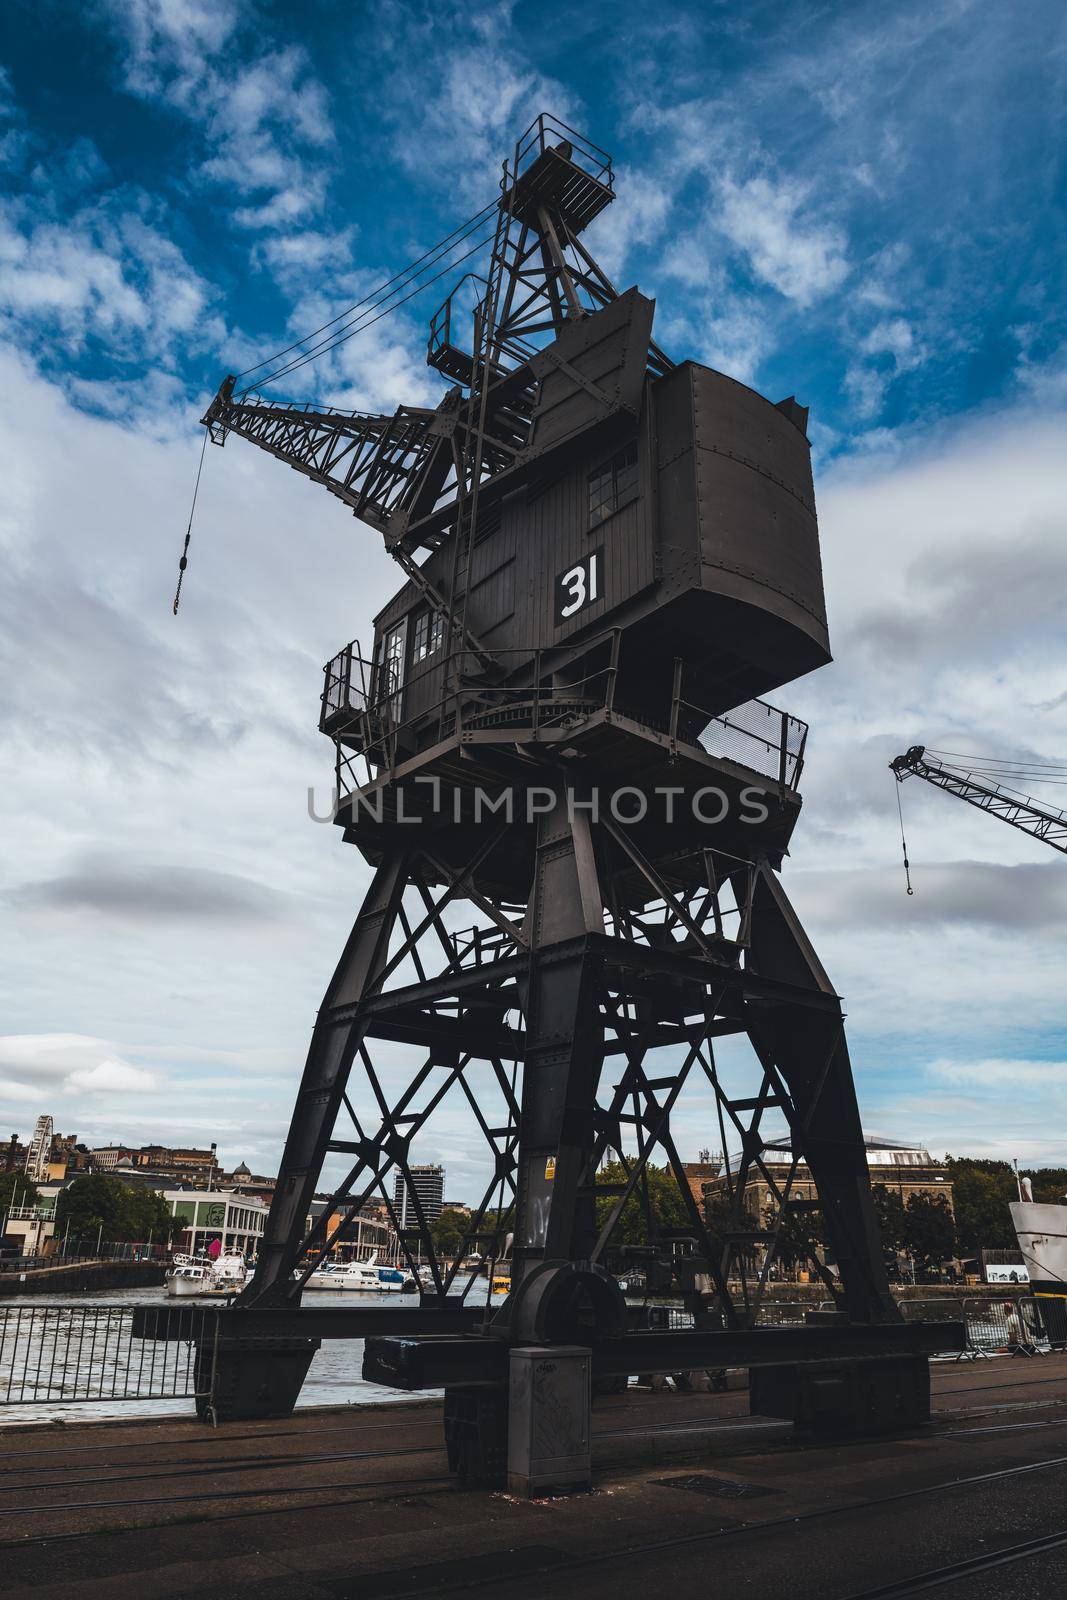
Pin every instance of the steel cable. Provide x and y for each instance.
(463, 228)
(364, 322)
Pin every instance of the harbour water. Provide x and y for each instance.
(335, 1377)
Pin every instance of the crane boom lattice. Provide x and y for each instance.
(1018, 810)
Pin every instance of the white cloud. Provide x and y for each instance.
(112, 1077)
(104, 272)
(263, 116)
(638, 216)
(456, 123)
(893, 339)
(168, 41)
(764, 218)
(1049, 1076)
(18, 1095)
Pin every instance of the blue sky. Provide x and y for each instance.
(857, 203)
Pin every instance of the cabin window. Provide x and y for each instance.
(391, 662)
(613, 485)
(428, 635)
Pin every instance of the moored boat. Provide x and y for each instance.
(192, 1277)
(361, 1277)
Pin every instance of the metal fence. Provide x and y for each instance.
(70, 1353)
(80, 1253)
(1015, 1325)
(64, 1354)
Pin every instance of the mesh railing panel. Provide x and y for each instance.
(753, 735)
(71, 1353)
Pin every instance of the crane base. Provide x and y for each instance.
(244, 1380)
(845, 1399)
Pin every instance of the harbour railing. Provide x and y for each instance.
(80, 1252)
(61, 1355)
(64, 1354)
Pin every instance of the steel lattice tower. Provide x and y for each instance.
(608, 559)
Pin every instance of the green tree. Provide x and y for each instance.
(1049, 1184)
(98, 1205)
(148, 1215)
(892, 1221)
(665, 1200)
(982, 1190)
(929, 1230)
(448, 1231)
(16, 1190)
(720, 1222)
(796, 1234)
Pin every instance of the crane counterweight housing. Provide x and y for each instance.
(609, 559)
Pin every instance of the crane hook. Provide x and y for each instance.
(903, 841)
(184, 560)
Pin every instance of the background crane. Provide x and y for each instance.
(979, 786)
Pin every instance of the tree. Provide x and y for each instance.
(982, 1191)
(720, 1221)
(929, 1229)
(448, 1231)
(892, 1222)
(1049, 1184)
(98, 1205)
(16, 1190)
(665, 1199)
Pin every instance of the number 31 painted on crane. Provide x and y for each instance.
(579, 586)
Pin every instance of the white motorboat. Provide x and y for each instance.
(192, 1277)
(361, 1277)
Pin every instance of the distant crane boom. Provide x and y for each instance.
(1041, 822)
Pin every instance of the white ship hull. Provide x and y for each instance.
(1042, 1235)
(194, 1280)
(361, 1282)
(184, 1288)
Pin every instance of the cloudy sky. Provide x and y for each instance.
(860, 204)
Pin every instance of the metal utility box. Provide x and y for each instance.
(548, 1418)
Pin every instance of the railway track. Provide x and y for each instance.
(191, 1467)
(761, 1527)
(955, 1572)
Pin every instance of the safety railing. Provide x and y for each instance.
(72, 1353)
(71, 1253)
(362, 703)
(756, 735)
(362, 709)
(548, 132)
(782, 1314)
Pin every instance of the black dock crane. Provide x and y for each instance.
(608, 560)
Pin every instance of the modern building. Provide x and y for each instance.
(368, 1235)
(27, 1227)
(237, 1221)
(428, 1183)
